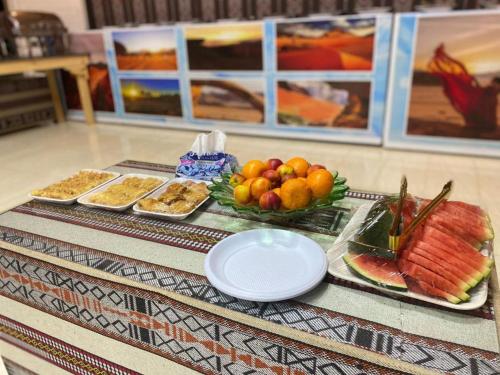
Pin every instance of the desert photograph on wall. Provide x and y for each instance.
(151, 96)
(225, 47)
(337, 44)
(239, 100)
(145, 49)
(99, 81)
(456, 77)
(326, 104)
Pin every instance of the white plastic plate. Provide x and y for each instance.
(338, 268)
(266, 265)
(86, 202)
(74, 199)
(158, 192)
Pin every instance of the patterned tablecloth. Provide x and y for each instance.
(98, 292)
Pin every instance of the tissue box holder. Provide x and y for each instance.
(205, 167)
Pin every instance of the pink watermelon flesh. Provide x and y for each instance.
(450, 241)
(377, 270)
(445, 226)
(439, 257)
(420, 286)
(481, 233)
(436, 267)
(448, 257)
(420, 273)
(469, 207)
(467, 215)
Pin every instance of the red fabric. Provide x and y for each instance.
(475, 103)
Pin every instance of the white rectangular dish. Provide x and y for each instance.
(338, 268)
(159, 192)
(74, 199)
(85, 200)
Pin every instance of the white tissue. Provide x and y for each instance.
(209, 143)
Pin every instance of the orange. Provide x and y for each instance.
(303, 179)
(259, 187)
(299, 165)
(277, 191)
(248, 182)
(253, 168)
(295, 194)
(242, 194)
(321, 183)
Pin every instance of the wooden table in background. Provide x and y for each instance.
(76, 65)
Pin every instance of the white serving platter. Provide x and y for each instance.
(338, 268)
(266, 265)
(85, 200)
(74, 199)
(158, 192)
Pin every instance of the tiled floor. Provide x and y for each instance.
(36, 157)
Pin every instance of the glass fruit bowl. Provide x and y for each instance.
(222, 192)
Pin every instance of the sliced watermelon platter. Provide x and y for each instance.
(446, 261)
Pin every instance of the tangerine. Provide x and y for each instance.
(295, 193)
(299, 165)
(259, 187)
(253, 168)
(321, 183)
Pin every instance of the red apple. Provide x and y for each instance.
(274, 163)
(270, 201)
(314, 167)
(272, 176)
(288, 177)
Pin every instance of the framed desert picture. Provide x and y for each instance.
(445, 84)
(145, 49)
(151, 96)
(323, 104)
(235, 100)
(232, 46)
(91, 43)
(340, 43)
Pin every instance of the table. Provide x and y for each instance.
(74, 64)
(97, 292)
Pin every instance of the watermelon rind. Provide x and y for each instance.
(348, 259)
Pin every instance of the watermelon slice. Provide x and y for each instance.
(469, 207)
(445, 226)
(423, 274)
(480, 232)
(420, 286)
(439, 257)
(436, 267)
(453, 242)
(449, 257)
(465, 214)
(377, 270)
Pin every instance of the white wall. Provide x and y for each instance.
(71, 12)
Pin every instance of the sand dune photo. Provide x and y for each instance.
(225, 47)
(152, 96)
(99, 81)
(240, 101)
(340, 44)
(456, 78)
(323, 104)
(145, 49)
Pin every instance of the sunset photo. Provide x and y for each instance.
(225, 47)
(325, 104)
(99, 82)
(339, 44)
(151, 96)
(456, 77)
(145, 49)
(228, 100)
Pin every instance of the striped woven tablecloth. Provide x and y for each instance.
(97, 292)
